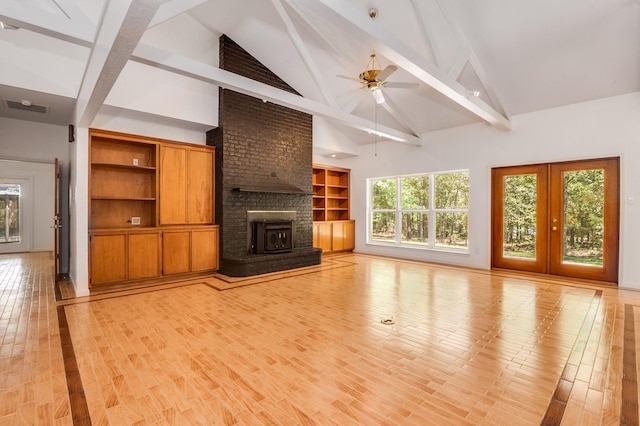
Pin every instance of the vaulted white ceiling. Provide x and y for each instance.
(81, 58)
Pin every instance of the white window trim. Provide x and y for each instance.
(431, 212)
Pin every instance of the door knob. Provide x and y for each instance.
(554, 228)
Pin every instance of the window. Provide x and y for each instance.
(428, 210)
(9, 213)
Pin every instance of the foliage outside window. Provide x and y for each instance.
(9, 213)
(428, 210)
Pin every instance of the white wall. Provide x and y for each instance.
(38, 201)
(603, 128)
(33, 142)
(145, 125)
(145, 89)
(79, 205)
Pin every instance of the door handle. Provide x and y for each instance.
(554, 228)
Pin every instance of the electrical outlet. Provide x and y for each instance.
(135, 220)
(135, 161)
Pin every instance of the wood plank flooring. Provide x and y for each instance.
(358, 340)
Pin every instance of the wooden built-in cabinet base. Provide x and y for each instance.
(151, 209)
(130, 255)
(334, 236)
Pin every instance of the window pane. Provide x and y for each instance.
(451, 230)
(583, 217)
(414, 228)
(383, 226)
(384, 194)
(519, 225)
(415, 192)
(452, 190)
(10, 231)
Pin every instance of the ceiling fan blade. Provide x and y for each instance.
(398, 85)
(378, 96)
(346, 77)
(389, 69)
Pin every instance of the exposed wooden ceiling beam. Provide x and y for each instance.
(228, 80)
(172, 9)
(69, 26)
(384, 42)
(393, 109)
(427, 35)
(461, 62)
(123, 24)
(445, 8)
(323, 38)
(302, 50)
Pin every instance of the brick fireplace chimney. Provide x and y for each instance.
(263, 163)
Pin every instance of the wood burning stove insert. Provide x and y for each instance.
(272, 236)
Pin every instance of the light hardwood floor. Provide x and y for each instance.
(358, 340)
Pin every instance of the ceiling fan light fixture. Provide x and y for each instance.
(377, 95)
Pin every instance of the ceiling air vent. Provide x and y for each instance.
(26, 106)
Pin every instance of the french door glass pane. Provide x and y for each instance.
(451, 230)
(583, 217)
(10, 230)
(414, 227)
(519, 226)
(383, 227)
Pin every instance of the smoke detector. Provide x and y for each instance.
(373, 13)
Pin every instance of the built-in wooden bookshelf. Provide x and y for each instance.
(123, 182)
(332, 229)
(331, 194)
(151, 209)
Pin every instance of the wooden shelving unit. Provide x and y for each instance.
(331, 194)
(333, 230)
(123, 182)
(134, 191)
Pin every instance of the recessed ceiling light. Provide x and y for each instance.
(333, 156)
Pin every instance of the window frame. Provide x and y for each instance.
(398, 211)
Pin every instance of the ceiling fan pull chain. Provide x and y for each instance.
(375, 128)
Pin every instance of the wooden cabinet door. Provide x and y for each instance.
(322, 235)
(173, 185)
(200, 187)
(144, 255)
(349, 235)
(176, 252)
(204, 250)
(108, 258)
(337, 236)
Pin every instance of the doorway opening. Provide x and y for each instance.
(10, 213)
(557, 218)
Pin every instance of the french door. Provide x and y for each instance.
(557, 218)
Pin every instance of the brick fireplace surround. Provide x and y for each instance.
(263, 163)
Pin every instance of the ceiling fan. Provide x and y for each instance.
(374, 79)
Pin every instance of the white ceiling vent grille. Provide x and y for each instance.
(26, 106)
